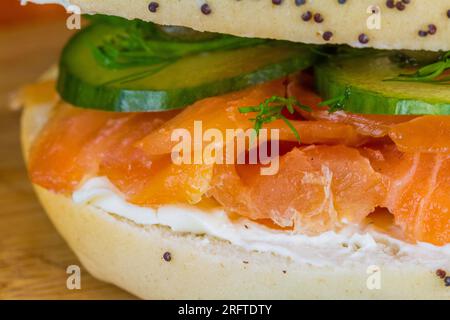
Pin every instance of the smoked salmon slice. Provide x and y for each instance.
(423, 134)
(317, 189)
(418, 192)
(78, 143)
(65, 150)
(410, 133)
(376, 126)
(222, 113)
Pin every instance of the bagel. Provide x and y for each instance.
(305, 233)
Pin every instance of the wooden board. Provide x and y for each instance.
(33, 257)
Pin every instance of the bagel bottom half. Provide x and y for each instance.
(130, 256)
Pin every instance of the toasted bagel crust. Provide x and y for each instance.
(398, 28)
(131, 256)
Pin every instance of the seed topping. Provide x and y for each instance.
(363, 38)
(153, 6)
(327, 35)
(206, 9)
(167, 256)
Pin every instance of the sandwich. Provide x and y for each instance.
(267, 149)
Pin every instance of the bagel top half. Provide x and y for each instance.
(364, 23)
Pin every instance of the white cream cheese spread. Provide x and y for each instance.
(350, 245)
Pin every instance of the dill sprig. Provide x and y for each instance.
(431, 73)
(337, 103)
(271, 109)
(141, 44)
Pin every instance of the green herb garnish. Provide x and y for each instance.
(144, 44)
(337, 103)
(431, 73)
(271, 109)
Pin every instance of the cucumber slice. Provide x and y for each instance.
(370, 93)
(85, 82)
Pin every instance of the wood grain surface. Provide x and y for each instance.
(33, 257)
